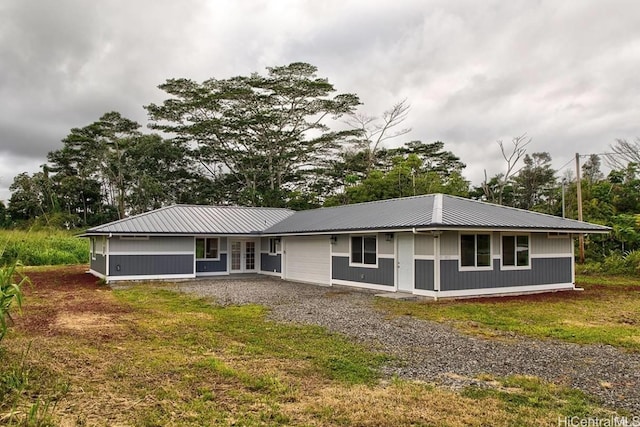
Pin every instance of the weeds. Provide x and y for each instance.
(43, 248)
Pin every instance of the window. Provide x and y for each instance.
(364, 250)
(273, 245)
(515, 251)
(475, 250)
(207, 248)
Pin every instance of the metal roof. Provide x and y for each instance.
(434, 211)
(196, 219)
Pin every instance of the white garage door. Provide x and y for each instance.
(307, 259)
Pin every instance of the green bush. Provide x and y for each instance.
(45, 247)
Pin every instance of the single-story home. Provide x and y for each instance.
(434, 245)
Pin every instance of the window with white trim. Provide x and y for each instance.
(475, 250)
(364, 250)
(207, 248)
(273, 245)
(515, 251)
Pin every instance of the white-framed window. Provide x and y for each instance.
(475, 251)
(274, 245)
(515, 251)
(364, 250)
(208, 248)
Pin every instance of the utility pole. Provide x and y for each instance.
(579, 191)
(564, 183)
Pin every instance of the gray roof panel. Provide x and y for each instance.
(434, 211)
(196, 219)
(428, 211)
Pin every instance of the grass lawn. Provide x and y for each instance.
(606, 312)
(81, 354)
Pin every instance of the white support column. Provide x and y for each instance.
(436, 262)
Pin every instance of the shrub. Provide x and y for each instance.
(46, 247)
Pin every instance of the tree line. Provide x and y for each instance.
(287, 139)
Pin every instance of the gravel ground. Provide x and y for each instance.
(434, 352)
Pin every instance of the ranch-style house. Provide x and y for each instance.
(434, 245)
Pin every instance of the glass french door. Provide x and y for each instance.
(243, 256)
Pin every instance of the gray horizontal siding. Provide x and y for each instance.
(544, 271)
(99, 264)
(212, 266)
(424, 274)
(150, 265)
(272, 263)
(383, 275)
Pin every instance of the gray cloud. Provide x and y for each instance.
(564, 72)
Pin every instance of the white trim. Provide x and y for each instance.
(97, 274)
(151, 277)
(449, 257)
(506, 290)
(425, 257)
(426, 293)
(573, 261)
(363, 285)
(270, 273)
(340, 254)
(436, 214)
(386, 256)
(556, 255)
(211, 273)
(159, 253)
(436, 262)
(106, 268)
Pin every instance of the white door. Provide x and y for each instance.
(405, 262)
(308, 259)
(243, 256)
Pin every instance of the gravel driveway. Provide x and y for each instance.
(434, 352)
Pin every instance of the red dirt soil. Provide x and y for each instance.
(81, 303)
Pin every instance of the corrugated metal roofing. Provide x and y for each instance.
(435, 211)
(429, 211)
(195, 219)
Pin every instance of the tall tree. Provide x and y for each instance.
(535, 184)
(373, 131)
(495, 193)
(267, 132)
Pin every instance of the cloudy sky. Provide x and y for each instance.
(565, 72)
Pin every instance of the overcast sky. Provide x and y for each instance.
(565, 72)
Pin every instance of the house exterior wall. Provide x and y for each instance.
(99, 264)
(423, 244)
(270, 263)
(212, 266)
(551, 262)
(381, 275)
(150, 265)
(424, 274)
(151, 257)
(544, 271)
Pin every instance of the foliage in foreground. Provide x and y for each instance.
(148, 356)
(606, 312)
(45, 247)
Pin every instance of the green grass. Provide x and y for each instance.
(43, 247)
(149, 356)
(606, 312)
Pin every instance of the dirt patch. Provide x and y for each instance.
(68, 300)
